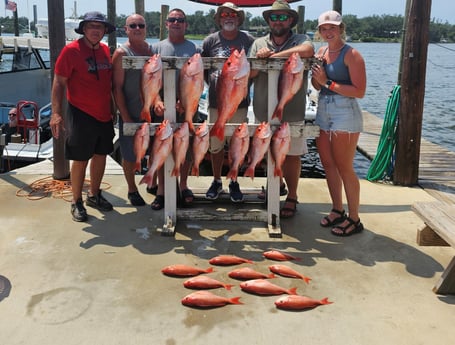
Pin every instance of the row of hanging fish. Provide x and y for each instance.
(232, 88)
(167, 142)
(253, 282)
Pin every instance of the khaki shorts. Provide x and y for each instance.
(298, 144)
(239, 116)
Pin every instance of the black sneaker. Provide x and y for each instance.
(214, 190)
(78, 211)
(136, 199)
(234, 191)
(152, 190)
(99, 202)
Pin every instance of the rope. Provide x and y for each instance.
(381, 167)
(47, 186)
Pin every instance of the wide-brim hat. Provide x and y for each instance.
(230, 6)
(282, 6)
(94, 17)
(330, 17)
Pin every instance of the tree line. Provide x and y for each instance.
(376, 28)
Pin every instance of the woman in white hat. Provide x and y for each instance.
(341, 79)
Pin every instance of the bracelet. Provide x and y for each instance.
(332, 86)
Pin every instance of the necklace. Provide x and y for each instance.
(336, 51)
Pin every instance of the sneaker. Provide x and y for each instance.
(136, 199)
(99, 202)
(214, 190)
(234, 191)
(78, 211)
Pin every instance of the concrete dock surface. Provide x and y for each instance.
(100, 282)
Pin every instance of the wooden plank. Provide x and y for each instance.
(440, 217)
(307, 130)
(427, 237)
(446, 284)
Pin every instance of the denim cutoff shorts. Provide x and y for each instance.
(339, 113)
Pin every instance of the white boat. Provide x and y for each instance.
(25, 84)
(42, 27)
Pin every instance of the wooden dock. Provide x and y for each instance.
(436, 166)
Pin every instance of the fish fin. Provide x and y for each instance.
(175, 172)
(235, 300)
(325, 301)
(137, 167)
(249, 172)
(232, 174)
(195, 171)
(277, 114)
(146, 179)
(228, 286)
(217, 131)
(306, 279)
(293, 291)
(209, 270)
(278, 171)
(271, 276)
(145, 115)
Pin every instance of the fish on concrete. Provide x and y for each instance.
(207, 299)
(297, 302)
(279, 256)
(265, 287)
(287, 271)
(180, 270)
(247, 273)
(204, 282)
(227, 260)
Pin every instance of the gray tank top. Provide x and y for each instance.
(338, 71)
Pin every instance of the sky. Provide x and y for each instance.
(441, 10)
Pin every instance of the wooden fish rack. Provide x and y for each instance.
(171, 214)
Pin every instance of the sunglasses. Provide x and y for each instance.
(174, 19)
(228, 15)
(279, 17)
(134, 26)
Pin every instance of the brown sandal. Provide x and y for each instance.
(288, 212)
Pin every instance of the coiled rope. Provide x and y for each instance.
(48, 186)
(381, 167)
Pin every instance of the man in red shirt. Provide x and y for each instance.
(84, 70)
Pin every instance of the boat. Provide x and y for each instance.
(25, 84)
(42, 27)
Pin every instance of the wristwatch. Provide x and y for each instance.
(328, 83)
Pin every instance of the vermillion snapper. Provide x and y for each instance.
(231, 89)
(265, 287)
(180, 147)
(204, 282)
(180, 270)
(151, 82)
(281, 143)
(258, 148)
(201, 145)
(141, 143)
(206, 299)
(161, 149)
(291, 80)
(191, 86)
(238, 148)
(296, 302)
(287, 271)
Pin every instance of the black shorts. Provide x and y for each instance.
(87, 136)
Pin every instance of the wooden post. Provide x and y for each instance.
(139, 7)
(301, 22)
(337, 6)
(112, 39)
(57, 40)
(412, 93)
(163, 16)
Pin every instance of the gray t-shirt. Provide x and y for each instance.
(295, 109)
